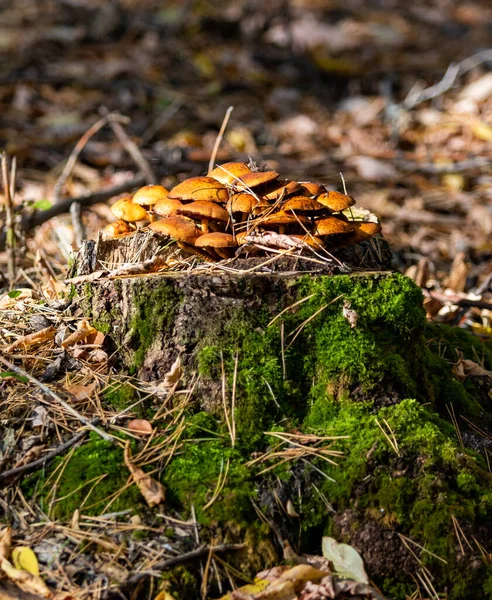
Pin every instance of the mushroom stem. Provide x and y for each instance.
(204, 225)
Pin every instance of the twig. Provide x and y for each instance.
(219, 138)
(77, 224)
(170, 111)
(187, 556)
(41, 462)
(46, 390)
(435, 169)
(9, 223)
(79, 146)
(454, 71)
(134, 151)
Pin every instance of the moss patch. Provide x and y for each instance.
(88, 481)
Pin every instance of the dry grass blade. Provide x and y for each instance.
(219, 138)
(389, 436)
(9, 223)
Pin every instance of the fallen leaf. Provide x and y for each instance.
(25, 559)
(140, 426)
(84, 329)
(25, 580)
(173, 375)
(350, 315)
(5, 542)
(32, 339)
(82, 392)
(164, 596)
(465, 367)
(151, 490)
(346, 561)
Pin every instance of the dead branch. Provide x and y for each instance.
(41, 462)
(49, 392)
(200, 552)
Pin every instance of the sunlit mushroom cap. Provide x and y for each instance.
(282, 218)
(335, 201)
(302, 204)
(178, 228)
(332, 226)
(216, 240)
(229, 172)
(203, 210)
(150, 195)
(126, 210)
(200, 188)
(116, 230)
(166, 207)
(281, 188)
(364, 230)
(311, 189)
(241, 203)
(254, 179)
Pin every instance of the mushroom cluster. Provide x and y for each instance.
(235, 206)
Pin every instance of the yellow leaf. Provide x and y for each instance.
(5, 542)
(164, 596)
(25, 560)
(251, 588)
(27, 581)
(482, 131)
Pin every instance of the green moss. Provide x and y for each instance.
(88, 481)
(120, 395)
(193, 477)
(153, 310)
(440, 479)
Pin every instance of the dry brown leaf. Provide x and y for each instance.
(151, 490)
(82, 392)
(5, 543)
(38, 337)
(465, 367)
(25, 580)
(173, 375)
(7, 302)
(140, 426)
(84, 329)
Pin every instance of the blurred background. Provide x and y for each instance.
(319, 88)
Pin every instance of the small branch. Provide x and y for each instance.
(454, 71)
(41, 462)
(459, 300)
(134, 151)
(219, 138)
(201, 552)
(79, 146)
(9, 222)
(48, 392)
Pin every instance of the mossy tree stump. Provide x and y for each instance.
(341, 355)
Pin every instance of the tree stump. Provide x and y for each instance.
(326, 393)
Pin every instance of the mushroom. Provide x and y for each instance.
(200, 188)
(335, 201)
(149, 195)
(332, 226)
(364, 230)
(117, 229)
(126, 210)
(229, 172)
(311, 189)
(221, 243)
(302, 205)
(166, 207)
(241, 205)
(314, 241)
(178, 228)
(205, 212)
(280, 189)
(254, 179)
(281, 219)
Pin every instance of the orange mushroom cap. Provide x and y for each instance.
(166, 207)
(150, 195)
(332, 226)
(126, 210)
(200, 188)
(178, 228)
(335, 201)
(229, 172)
(254, 179)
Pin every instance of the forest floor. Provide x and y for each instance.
(393, 98)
